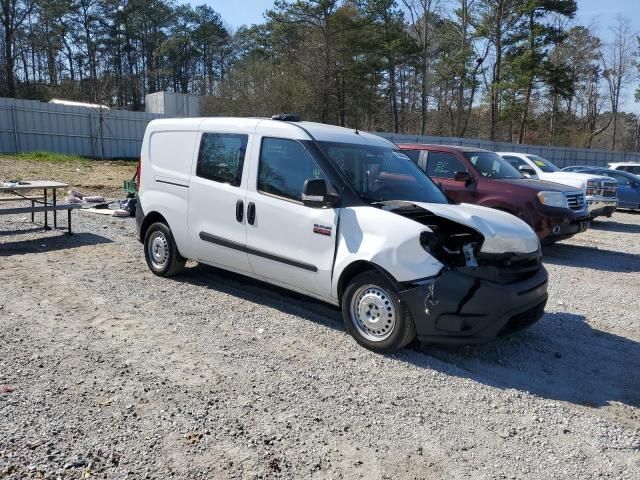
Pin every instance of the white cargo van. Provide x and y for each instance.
(339, 215)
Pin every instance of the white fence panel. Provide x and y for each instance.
(28, 125)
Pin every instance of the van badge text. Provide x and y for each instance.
(322, 229)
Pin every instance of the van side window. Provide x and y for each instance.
(221, 157)
(284, 166)
(443, 165)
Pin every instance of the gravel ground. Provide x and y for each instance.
(108, 371)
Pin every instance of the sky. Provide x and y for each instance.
(597, 14)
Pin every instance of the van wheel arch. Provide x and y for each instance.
(150, 219)
(358, 267)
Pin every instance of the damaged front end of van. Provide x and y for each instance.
(492, 282)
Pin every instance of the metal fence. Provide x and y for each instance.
(28, 125)
(561, 156)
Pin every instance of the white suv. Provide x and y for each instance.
(600, 192)
(339, 215)
(631, 167)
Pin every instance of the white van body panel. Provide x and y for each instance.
(212, 205)
(172, 146)
(286, 228)
(386, 239)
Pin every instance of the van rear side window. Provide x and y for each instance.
(221, 157)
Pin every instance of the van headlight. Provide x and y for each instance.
(553, 199)
(592, 187)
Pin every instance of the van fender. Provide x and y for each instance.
(371, 238)
(173, 207)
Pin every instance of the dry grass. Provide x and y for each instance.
(89, 176)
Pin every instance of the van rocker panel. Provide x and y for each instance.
(458, 308)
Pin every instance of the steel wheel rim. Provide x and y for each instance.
(158, 250)
(373, 313)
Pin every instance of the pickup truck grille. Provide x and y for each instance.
(575, 201)
(609, 189)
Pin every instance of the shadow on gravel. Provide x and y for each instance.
(560, 358)
(256, 291)
(20, 231)
(589, 257)
(612, 226)
(50, 244)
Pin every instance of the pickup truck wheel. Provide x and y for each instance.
(161, 252)
(374, 315)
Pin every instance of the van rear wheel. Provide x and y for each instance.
(161, 252)
(374, 315)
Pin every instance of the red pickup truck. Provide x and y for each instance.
(481, 177)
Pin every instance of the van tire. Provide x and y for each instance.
(161, 251)
(368, 300)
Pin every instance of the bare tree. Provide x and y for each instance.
(420, 14)
(13, 13)
(617, 60)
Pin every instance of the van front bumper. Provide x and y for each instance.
(459, 308)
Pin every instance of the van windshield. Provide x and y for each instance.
(381, 174)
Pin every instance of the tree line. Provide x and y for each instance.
(507, 70)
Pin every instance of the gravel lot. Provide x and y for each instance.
(107, 371)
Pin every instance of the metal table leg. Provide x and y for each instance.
(46, 214)
(33, 205)
(55, 213)
(69, 220)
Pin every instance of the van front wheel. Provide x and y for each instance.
(374, 315)
(161, 252)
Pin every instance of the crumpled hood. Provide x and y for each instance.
(503, 232)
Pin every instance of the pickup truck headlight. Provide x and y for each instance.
(592, 187)
(553, 199)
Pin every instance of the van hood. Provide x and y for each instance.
(502, 232)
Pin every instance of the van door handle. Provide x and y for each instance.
(239, 210)
(251, 213)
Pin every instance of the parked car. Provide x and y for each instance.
(600, 191)
(628, 185)
(341, 216)
(575, 168)
(482, 177)
(631, 167)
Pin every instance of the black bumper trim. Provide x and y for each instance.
(139, 220)
(458, 308)
(207, 237)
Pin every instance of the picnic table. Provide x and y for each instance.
(39, 203)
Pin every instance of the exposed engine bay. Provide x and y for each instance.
(453, 244)
(477, 295)
(458, 246)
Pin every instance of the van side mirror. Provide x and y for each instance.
(315, 194)
(527, 171)
(463, 176)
